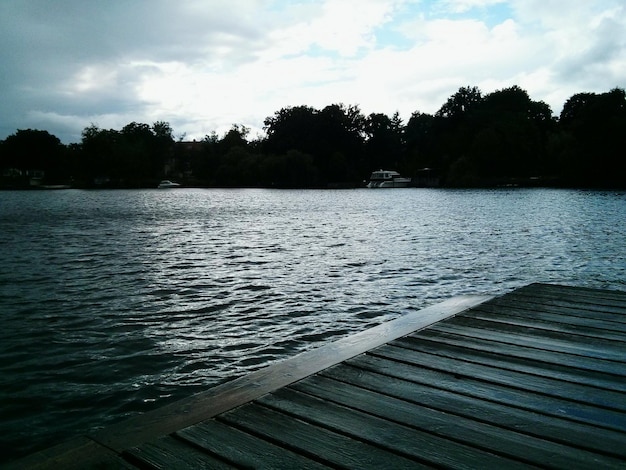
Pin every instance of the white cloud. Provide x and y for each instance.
(204, 66)
(343, 27)
(462, 6)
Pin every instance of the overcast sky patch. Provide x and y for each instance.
(204, 66)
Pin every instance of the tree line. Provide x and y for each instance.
(473, 140)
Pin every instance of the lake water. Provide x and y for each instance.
(113, 303)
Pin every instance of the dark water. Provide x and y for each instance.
(116, 302)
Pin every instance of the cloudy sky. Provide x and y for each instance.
(203, 65)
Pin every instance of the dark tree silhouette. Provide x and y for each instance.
(593, 139)
(384, 147)
(460, 104)
(292, 128)
(332, 136)
(418, 137)
(452, 133)
(136, 156)
(511, 133)
(34, 153)
(503, 137)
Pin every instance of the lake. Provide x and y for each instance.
(113, 303)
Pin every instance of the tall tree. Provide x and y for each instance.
(511, 134)
(138, 160)
(594, 140)
(418, 136)
(28, 151)
(291, 128)
(340, 137)
(333, 137)
(31, 149)
(384, 145)
(461, 103)
(453, 130)
(98, 154)
(162, 161)
(237, 136)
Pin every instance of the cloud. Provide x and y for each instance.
(340, 26)
(204, 66)
(601, 55)
(463, 6)
(586, 45)
(90, 59)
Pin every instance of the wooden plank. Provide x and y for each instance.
(564, 293)
(618, 321)
(582, 311)
(393, 437)
(605, 399)
(331, 448)
(601, 301)
(604, 373)
(550, 316)
(485, 436)
(165, 420)
(242, 449)
(607, 297)
(570, 344)
(493, 392)
(567, 370)
(554, 330)
(557, 323)
(525, 421)
(168, 452)
(565, 290)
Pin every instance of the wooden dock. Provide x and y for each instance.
(534, 378)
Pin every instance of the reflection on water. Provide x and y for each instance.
(113, 303)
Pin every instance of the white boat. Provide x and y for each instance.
(168, 184)
(388, 179)
(55, 186)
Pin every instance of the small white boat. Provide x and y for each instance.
(167, 184)
(55, 186)
(388, 179)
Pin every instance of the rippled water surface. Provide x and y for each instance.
(116, 302)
